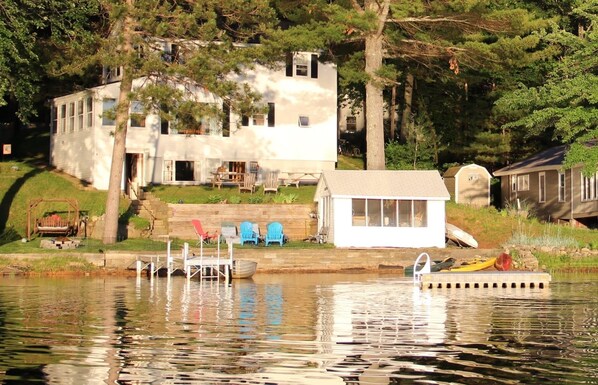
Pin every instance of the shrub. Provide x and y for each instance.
(285, 198)
(256, 199)
(214, 198)
(234, 199)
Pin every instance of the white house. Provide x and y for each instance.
(382, 208)
(296, 134)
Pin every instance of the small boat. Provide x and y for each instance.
(243, 268)
(436, 266)
(503, 262)
(475, 265)
(460, 237)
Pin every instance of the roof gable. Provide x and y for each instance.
(409, 184)
(455, 170)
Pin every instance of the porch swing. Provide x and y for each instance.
(63, 223)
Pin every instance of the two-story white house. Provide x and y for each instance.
(297, 133)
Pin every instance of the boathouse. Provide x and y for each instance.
(382, 208)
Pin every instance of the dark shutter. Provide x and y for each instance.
(226, 119)
(289, 61)
(271, 115)
(245, 121)
(314, 66)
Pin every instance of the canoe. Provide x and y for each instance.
(460, 237)
(503, 262)
(475, 265)
(435, 267)
(243, 268)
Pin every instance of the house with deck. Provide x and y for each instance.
(382, 208)
(541, 184)
(296, 134)
(468, 184)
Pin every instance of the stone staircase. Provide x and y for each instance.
(156, 212)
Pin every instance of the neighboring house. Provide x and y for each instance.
(382, 208)
(298, 133)
(541, 184)
(468, 184)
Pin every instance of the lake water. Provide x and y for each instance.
(295, 329)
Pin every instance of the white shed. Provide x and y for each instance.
(382, 208)
(468, 184)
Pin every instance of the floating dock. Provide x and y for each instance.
(484, 279)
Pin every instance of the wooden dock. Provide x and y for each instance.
(484, 279)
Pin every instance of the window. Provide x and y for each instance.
(389, 213)
(271, 115)
(351, 123)
(562, 187)
(63, 118)
(54, 120)
(513, 183)
(589, 187)
(297, 65)
(108, 112)
(303, 121)
(183, 170)
(258, 120)
(137, 114)
(89, 108)
(542, 187)
(80, 114)
(523, 182)
(71, 117)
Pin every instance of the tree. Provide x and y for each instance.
(212, 41)
(28, 31)
(383, 40)
(565, 105)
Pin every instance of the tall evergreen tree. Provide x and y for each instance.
(565, 105)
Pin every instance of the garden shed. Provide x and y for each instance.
(382, 208)
(468, 184)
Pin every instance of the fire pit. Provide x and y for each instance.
(59, 243)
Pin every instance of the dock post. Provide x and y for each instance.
(138, 267)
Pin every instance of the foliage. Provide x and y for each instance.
(565, 262)
(564, 106)
(139, 223)
(408, 157)
(285, 198)
(50, 264)
(214, 198)
(256, 199)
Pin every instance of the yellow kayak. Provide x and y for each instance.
(476, 265)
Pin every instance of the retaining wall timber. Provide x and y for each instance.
(295, 218)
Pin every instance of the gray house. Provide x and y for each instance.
(468, 184)
(541, 183)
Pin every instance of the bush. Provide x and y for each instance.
(214, 198)
(256, 199)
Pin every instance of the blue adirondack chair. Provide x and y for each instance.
(274, 234)
(246, 233)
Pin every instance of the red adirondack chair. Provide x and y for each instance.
(202, 235)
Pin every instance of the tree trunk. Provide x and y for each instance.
(406, 117)
(391, 113)
(120, 136)
(374, 101)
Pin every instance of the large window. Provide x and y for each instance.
(589, 187)
(54, 120)
(389, 213)
(108, 112)
(523, 182)
(63, 118)
(71, 117)
(562, 187)
(302, 65)
(351, 123)
(80, 114)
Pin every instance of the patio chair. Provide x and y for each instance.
(202, 235)
(248, 183)
(275, 234)
(247, 234)
(271, 182)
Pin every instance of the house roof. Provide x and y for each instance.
(550, 159)
(453, 171)
(408, 184)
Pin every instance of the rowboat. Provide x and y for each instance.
(436, 266)
(243, 268)
(459, 236)
(475, 265)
